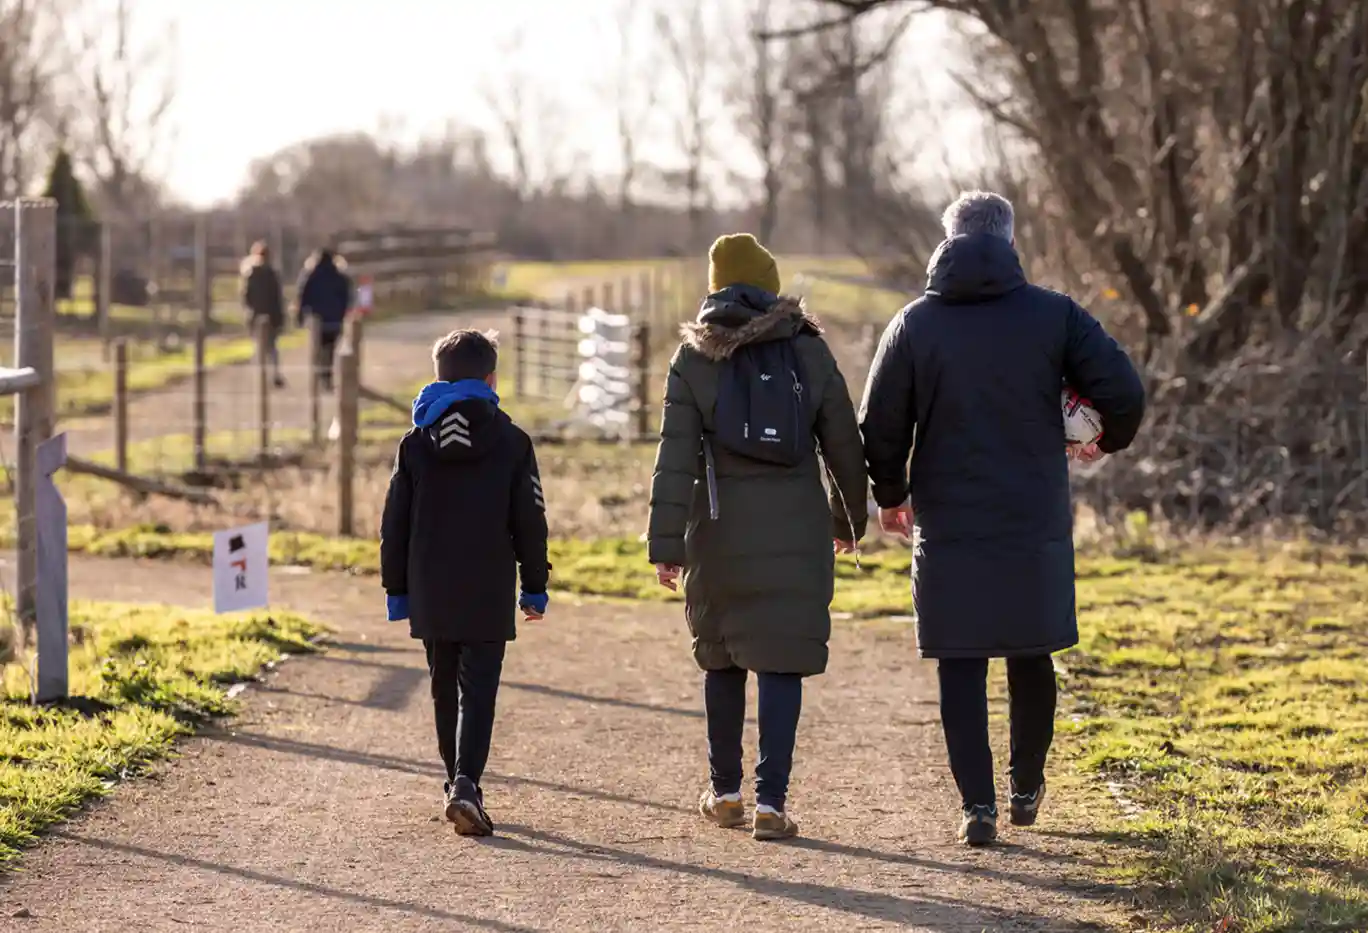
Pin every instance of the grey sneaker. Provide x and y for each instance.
(1026, 807)
(465, 808)
(979, 825)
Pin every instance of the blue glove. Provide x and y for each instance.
(537, 602)
(396, 607)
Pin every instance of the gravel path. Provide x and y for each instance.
(318, 808)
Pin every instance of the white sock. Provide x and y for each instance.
(728, 798)
(766, 808)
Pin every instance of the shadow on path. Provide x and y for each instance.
(405, 766)
(946, 915)
(260, 877)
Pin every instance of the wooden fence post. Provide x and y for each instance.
(203, 299)
(315, 377)
(608, 298)
(154, 264)
(104, 285)
(204, 273)
(625, 300)
(50, 680)
(263, 348)
(519, 354)
(199, 410)
(35, 224)
(121, 404)
(588, 297)
(681, 289)
(347, 407)
(646, 296)
(642, 333)
(356, 332)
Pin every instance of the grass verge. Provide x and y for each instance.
(1221, 705)
(143, 676)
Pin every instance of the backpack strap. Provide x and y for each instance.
(710, 472)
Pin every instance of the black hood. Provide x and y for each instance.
(977, 267)
(465, 430)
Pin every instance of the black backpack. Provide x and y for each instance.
(761, 412)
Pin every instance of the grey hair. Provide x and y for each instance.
(979, 212)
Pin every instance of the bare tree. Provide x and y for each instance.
(683, 30)
(634, 93)
(119, 112)
(761, 97)
(508, 101)
(1212, 161)
(531, 121)
(31, 56)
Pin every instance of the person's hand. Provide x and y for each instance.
(667, 575)
(897, 521)
(533, 606)
(1086, 453)
(843, 547)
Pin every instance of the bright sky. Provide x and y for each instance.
(257, 75)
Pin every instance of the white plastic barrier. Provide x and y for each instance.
(603, 394)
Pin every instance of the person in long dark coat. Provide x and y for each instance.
(264, 298)
(325, 291)
(967, 379)
(759, 576)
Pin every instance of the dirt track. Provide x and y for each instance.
(318, 808)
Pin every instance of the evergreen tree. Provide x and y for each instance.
(75, 220)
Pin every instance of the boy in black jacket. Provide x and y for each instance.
(464, 516)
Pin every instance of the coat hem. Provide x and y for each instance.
(955, 654)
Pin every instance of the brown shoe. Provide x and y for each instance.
(770, 826)
(725, 813)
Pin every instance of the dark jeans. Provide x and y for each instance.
(964, 714)
(272, 347)
(465, 682)
(781, 702)
(327, 353)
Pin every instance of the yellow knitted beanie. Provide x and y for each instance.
(739, 259)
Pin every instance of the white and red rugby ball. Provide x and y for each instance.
(1082, 423)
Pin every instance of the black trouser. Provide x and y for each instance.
(465, 683)
(327, 351)
(964, 714)
(781, 702)
(272, 345)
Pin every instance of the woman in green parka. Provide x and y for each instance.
(756, 554)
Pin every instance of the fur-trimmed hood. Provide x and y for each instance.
(741, 315)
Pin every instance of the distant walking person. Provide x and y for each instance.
(737, 507)
(325, 290)
(967, 379)
(264, 299)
